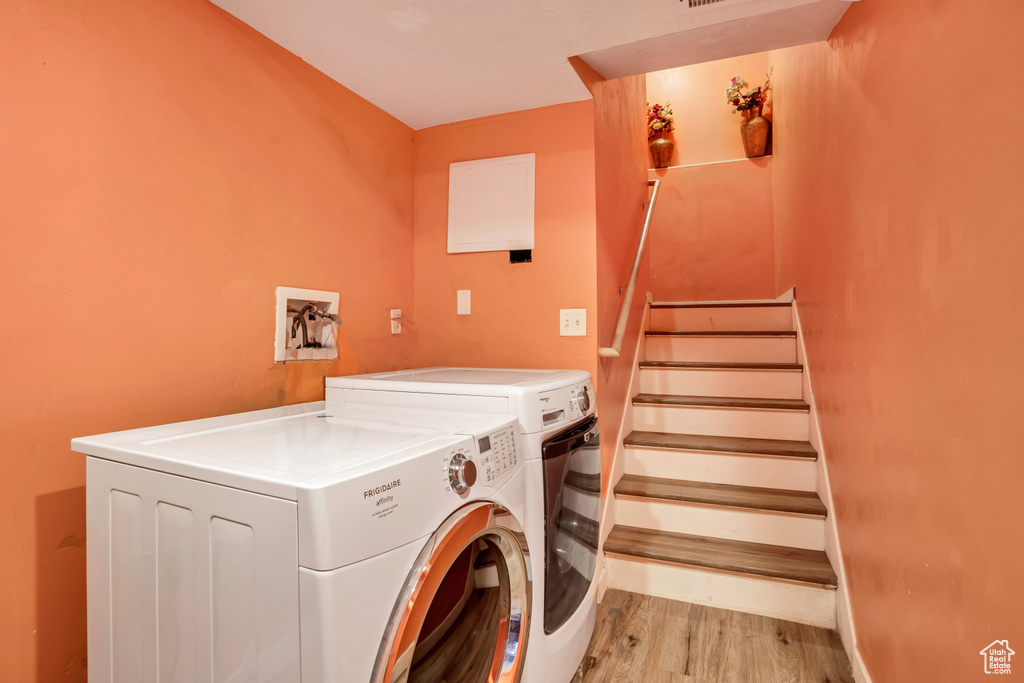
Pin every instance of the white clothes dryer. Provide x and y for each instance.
(556, 414)
(309, 544)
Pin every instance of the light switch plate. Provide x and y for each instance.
(463, 301)
(573, 322)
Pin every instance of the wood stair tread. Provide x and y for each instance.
(722, 304)
(721, 333)
(674, 364)
(758, 559)
(721, 401)
(723, 444)
(727, 495)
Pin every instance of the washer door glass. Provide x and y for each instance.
(464, 612)
(572, 513)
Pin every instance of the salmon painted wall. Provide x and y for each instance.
(514, 320)
(712, 233)
(165, 168)
(706, 130)
(620, 139)
(898, 211)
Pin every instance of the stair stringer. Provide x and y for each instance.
(844, 610)
(608, 513)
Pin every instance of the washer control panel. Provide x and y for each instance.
(566, 404)
(581, 399)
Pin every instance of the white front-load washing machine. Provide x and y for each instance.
(556, 414)
(312, 543)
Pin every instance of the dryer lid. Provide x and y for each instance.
(282, 450)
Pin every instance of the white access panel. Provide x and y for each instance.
(204, 578)
(491, 204)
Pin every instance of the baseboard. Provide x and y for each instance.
(608, 513)
(844, 609)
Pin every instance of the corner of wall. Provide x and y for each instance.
(617, 466)
(844, 610)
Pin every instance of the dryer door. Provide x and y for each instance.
(464, 612)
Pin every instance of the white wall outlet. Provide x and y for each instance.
(396, 313)
(307, 325)
(463, 301)
(573, 322)
(396, 327)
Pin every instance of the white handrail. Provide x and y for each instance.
(615, 349)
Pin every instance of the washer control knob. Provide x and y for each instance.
(583, 399)
(461, 473)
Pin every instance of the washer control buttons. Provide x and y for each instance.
(583, 399)
(461, 472)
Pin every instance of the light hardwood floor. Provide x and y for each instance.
(654, 640)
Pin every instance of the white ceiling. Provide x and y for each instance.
(429, 62)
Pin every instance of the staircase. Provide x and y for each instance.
(717, 502)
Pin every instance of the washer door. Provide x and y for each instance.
(464, 612)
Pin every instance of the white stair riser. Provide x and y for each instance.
(708, 382)
(781, 600)
(795, 474)
(794, 531)
(752, 423)
(722, 349)
(754, 318)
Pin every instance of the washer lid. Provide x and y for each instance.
(282, 450)
(465, 381)
(500, 376)
(533, 396)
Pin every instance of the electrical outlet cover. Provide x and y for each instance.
(286, 347)
(463, 301)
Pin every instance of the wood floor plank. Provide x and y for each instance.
(756, 498)
(639, 638)
(725, 444)
(759, 559)
(720, 402)
(694, 365)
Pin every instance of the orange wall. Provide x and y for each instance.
(712, 233)
(620, 139)
(898, 211)
(515, 307)
(165, 168)
(706, 128)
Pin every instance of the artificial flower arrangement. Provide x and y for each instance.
(659, 120)
(753, 98)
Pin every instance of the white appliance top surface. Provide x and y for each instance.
(280, 450)
(482, 381)
(465, 375)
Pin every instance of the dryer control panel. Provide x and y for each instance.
(494, 457)
(498, 454)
